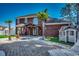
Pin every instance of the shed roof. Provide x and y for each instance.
(29, 15)
(68, 27)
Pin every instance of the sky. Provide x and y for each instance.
(9, 11)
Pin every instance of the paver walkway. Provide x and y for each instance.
(26, 48)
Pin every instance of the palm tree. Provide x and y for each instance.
(9, 27)
(43, 16)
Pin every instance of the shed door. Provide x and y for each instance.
(67, 35)
(71, 36)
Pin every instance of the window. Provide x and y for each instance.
(35, 21)
(21, 20)
(71, 32)
(25, 20)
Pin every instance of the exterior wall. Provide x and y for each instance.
(53, 30)
(19, 21)
(6, 32)
(12, 32)
(2, 33)
(66, 35)
(62, 36)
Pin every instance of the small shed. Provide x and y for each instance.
(2, 30)
(12, 31)
(68, 34)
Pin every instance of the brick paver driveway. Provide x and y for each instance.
(26, 48)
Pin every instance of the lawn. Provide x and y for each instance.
(56, 39)
(4, 36)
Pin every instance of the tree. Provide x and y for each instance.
(77, 10)
(65, 11)
(9, 27)
(43, 16)
(68, 12)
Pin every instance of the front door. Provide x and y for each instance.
(34, 31)
(30, 31)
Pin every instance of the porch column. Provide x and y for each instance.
(43, 29)
(36, 30)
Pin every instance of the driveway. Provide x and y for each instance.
(26, 48)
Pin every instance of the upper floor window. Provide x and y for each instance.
(35, 21)
(26, 21)
(21, 20)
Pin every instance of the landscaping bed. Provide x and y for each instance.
(56, 39)
(5, 36)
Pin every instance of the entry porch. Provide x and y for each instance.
(30, 29)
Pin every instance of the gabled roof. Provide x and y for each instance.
(71, 27)
(63, 28)
(49, 20)
(29, 15)
(55, 20)
(31, 25)
(67, 27)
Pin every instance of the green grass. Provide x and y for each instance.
(4, 36)
(56, 39)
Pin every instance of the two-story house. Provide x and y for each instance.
(30, 25)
